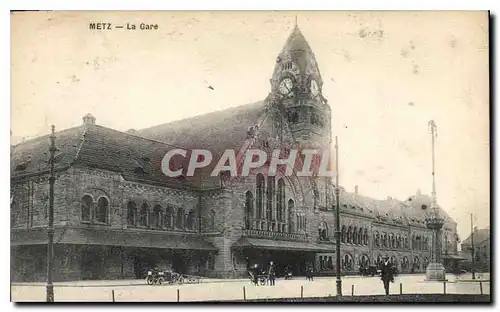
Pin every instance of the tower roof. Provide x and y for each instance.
(296, 42)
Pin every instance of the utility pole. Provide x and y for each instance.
(472, 245)
(337, 219)
(50, 230)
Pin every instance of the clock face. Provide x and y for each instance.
(314, 88)
(286, 86)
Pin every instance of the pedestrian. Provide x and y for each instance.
(255, 275)
(272, 274)
(311, 273)
(308, 277)
(387, 274)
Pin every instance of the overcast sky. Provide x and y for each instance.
(385, 74)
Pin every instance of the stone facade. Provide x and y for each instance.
(116, 215)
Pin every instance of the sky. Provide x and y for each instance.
(385, 74)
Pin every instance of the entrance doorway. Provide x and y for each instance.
(296, 261)
(92, 265)
(179, 263)
(143, 262)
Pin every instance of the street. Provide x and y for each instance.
(211, 289)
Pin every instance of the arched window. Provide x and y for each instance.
(349, 234)
(14, 211)
(211, 220)
(248, 209)
(179, 220)
(361, 240)
(426, 262)
(156, 217)
(143, 216)
(280, 203)
(323, 231)
(270, 197)
(102, 210)
(416, 263)
(364, 261)
(355, 235)
(260, 196)
(405, 242)
(405, 263)
(384, 240)
(398, 241)
(190, 220)
(131, 213)
(394, 261)
(366, 237)
(391, 240)
(169, 218)
(347, 264)
(377, 239)
(86, 205)
(343, 234)
(379, 261)
(291, 206)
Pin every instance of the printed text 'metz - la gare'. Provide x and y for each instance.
(126, 26)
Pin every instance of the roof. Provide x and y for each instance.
(297, 48)
(259, 243)
(420, 204)
(387, 210)
(109, 237)
(216, 131)
(33, 156)
(135, 158)
(296, 42)
(480, 235)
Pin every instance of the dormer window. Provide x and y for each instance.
(293, 117)
(21, 167)
(287, 66)
(139, 170)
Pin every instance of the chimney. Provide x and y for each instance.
(89, 119)
(419, 192)
(356, 190)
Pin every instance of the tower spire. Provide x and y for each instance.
(296, 25)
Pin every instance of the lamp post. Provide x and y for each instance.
(435, 270)
(50, 229)
(337, 219)
(472, 246)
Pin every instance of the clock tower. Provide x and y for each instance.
(296, 93)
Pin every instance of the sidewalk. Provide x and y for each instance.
(110, 283)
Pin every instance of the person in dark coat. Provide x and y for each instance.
(387, 274)
(255, 274)
(272, 274)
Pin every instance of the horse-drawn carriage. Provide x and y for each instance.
(160, 277)
(258, 277)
